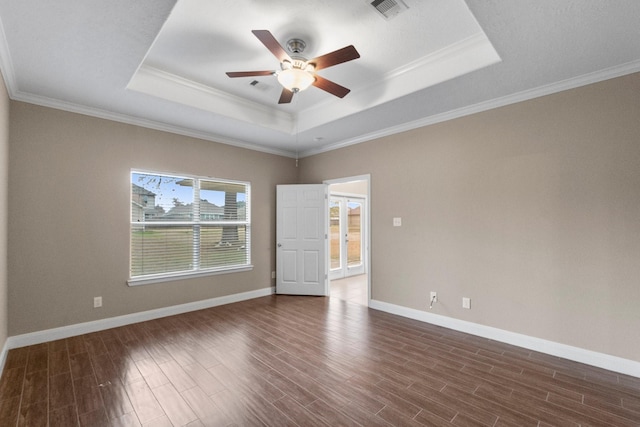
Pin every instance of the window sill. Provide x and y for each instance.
(148, 280)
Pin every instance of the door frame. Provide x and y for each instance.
(366, 228)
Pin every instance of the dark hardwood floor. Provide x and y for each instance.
(305, 361)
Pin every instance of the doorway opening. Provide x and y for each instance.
(349, 229)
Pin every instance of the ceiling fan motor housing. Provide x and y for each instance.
(296, 46)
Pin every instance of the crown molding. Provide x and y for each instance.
(583, 80)
(137, 121)
(6, 65)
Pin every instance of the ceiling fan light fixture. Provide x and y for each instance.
(297, 73)
(295, 79)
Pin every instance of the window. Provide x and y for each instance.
(186, 225)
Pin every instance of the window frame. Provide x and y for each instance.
(196, 224)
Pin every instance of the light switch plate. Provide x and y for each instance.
(397, 222)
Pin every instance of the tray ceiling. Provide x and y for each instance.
(162, 64)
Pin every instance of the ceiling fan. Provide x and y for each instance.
(297, 73)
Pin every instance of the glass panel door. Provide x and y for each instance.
(346, 240)
(335, 245)
(354, 233)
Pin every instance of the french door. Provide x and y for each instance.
(346, 243)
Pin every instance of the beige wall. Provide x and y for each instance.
(531, 210)
(69, 209)
(4, 177)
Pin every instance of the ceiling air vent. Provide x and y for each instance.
(260, 85)
(389, 9)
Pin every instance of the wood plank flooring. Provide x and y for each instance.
(303, 361)
(352, 289)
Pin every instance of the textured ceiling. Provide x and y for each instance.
(161, 63)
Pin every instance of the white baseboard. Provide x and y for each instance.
(601, 360)
(113, 322)
(3, 355)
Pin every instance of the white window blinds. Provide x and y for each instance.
(188, 225)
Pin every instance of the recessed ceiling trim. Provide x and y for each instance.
(161, 84)
(473, 45)
(465, 56)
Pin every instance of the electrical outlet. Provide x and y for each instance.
(433, 297)
(97, 302)
(273, 274)
(466, 302)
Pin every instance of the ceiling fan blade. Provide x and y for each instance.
(334, 58)
(250, 73)
(272, 44)
(286, 96)
(331, 87)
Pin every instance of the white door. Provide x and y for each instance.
(301, 239)
(346, 236)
